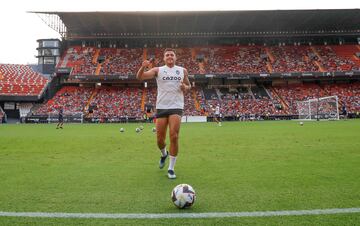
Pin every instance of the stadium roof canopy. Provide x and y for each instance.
(74, 25)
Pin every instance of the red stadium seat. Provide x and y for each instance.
(21, 80)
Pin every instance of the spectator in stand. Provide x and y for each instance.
(293, 59)
(210, 60)
(72, 99)
(332, 62)
(114, 103)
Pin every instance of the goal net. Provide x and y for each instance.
(319, 108)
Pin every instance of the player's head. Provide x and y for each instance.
(169, 56)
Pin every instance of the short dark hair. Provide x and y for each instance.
(169, 49)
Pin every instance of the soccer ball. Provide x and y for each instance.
(183, 196)
(301, 123)
(141, 127)
(122, 130)
(154, 129)
(137, 130)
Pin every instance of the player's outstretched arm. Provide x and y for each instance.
(142, 75)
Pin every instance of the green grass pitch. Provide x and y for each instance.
(241, 166)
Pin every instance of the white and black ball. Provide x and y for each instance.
(183, 196)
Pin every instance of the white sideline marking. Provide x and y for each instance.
(180, 215)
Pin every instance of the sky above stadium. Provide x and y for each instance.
(20, 30)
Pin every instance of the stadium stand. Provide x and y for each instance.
(233, 104)
(293, 59)
(72, 99)
(224, 60)
(292, 93)
(82, 60)
(331, 61)
(120, 61)
(349, 94)
(150, 96)
(215, 60)
(20, 80)
(113, 102)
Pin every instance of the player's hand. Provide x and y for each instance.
(183, 86)
(145, 63)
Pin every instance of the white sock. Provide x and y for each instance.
(163, 152)
(172, 162)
